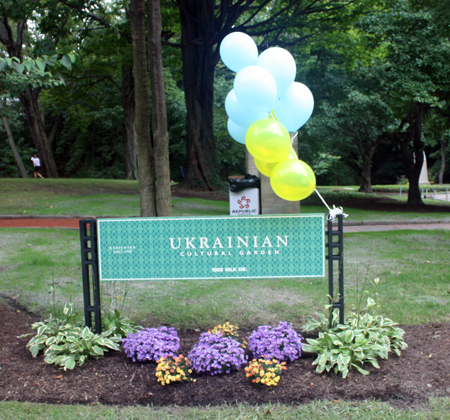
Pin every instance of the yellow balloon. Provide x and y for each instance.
(266, 167)
(293, 180)
(268, 140)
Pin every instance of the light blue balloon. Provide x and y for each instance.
(255, 87)
(295, 107)
(237, 132)
(238, 50)
(242, 115)
(281, 65)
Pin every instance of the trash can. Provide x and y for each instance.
(244, 195)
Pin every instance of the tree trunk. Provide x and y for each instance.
(442, 171)
(415, 131)
(199, 62)
(414, 195)
(159, 114)
(30, 102)
(129, 140)
(12, 144)
(366, 178)
(146, 174)
(52, 135)
(366, 174)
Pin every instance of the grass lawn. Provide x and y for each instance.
(120, 198)
(413, 267)
(88, 197)
(359, 215)
(324, 410)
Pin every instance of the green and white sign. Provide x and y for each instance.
(211, 247)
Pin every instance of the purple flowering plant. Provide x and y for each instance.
(151, 344)
(281, 342)
(215, 353)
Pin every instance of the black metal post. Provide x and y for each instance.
(89, 258)
(332, 245)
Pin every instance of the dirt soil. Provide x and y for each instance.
(423, 370)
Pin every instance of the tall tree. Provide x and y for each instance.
(17, 77)
(154, 185)
(384, 85)
(12, 144)
(13, 31)
(146, 168)
(159, 111)
(112, 38)
(353, 112)
(416, 72)
(203, 25)
(129, 140)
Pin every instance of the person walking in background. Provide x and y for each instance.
(37, 166)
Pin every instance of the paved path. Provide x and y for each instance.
(37, 222)
(72, 222)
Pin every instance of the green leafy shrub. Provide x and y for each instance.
(361, 339)
(66, 344)
(121, 326)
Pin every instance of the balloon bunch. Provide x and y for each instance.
(264, 105)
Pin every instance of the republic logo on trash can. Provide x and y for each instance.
(224, 247)
(245, 202)
(244, 195)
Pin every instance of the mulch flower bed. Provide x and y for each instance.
(423, 370)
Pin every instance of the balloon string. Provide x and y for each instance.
(332, 212)
(293, 138)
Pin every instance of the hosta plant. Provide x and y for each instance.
(173, 369)
(264, 371)
(320, 323)
(121, 326)
(363, 338)
(151, 344)
(216, 354)
(279, 342)
(67, 345)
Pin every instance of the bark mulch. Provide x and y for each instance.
(422, 371)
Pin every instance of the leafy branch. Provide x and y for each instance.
(18, 75)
